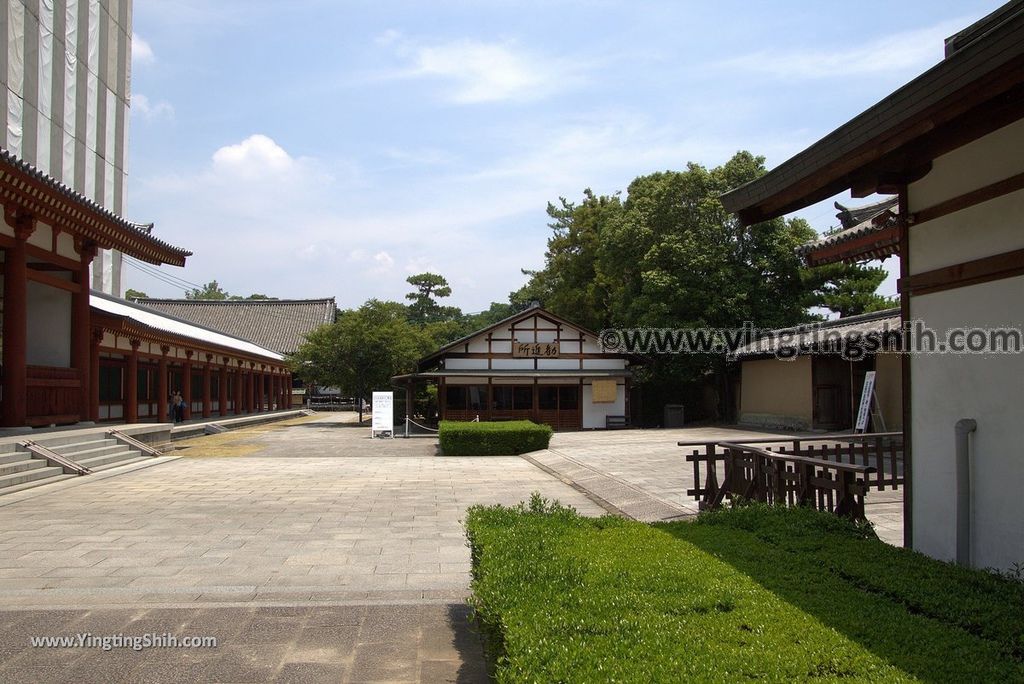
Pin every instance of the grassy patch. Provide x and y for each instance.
(508, 438)
(753, 593)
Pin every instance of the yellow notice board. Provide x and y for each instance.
(604, 391)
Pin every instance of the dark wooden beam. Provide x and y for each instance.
(969, 199)
(987, 269)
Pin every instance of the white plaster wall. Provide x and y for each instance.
(49, 326)
(989, 388)
(511, 364)
(980, 231)
(594, 414)
(985, 161)
(465, 364)
(558, 364)
(604, 364)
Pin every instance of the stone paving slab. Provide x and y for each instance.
(614, 494)
(357, 643)
(250, 526)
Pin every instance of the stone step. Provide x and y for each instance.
(33, 475)
(77, 452)
(21, 466)
(119, 463)
(14, 457)
(57, 440)
(8, 448)
(95, 462)
(35, 483)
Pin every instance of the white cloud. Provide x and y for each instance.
(384, 260)
(903, 51)
(142, 53)
(479, 72)
(140, 104)
(256, 154)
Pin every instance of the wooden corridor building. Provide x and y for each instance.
(71, 355)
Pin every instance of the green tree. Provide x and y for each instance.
(210, 290)
(847, 289)
(363, 350)
(670, 255)
(132, 295)
(569, 281)
(424, 307)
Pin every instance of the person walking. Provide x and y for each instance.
(178, 406)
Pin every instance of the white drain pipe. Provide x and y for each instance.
(964, 428)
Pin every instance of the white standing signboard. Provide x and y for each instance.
(865, 401)
(383, 415)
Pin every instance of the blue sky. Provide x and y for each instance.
(312, 149)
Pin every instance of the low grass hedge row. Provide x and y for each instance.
(755, 592)
(508, 438)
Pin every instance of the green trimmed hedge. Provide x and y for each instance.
(509, 438)
(750, 593)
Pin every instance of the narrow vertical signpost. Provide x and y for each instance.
(383, 424)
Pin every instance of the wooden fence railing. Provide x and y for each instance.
(839, 469)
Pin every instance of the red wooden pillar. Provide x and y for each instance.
(161, 386)
(15, 326)
(131, 411)
(275, 392)
(186, 385)
(247, 391)
(207, 399)
(260, 389)
(222, 409)
(81, 333)
(95, 338)
(288, 390)
(238, 389)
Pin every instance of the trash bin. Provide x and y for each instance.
(673, 416)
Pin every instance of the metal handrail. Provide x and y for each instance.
(53, 458)
(134, 443)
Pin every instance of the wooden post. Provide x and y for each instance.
(161, 385)
(222, 389)
(261, 389)
(239, 381)
(247, 389)
(15, 324)
(207, 399)
(186, 385)
(81, 343)
(132, 409)
(95, 339)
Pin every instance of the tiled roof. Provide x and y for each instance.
(47, 197)
(170, 324)
(858, 222)
(811, 335)
(278, 324)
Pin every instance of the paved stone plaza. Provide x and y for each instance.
(286, 531)
(311, 552)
